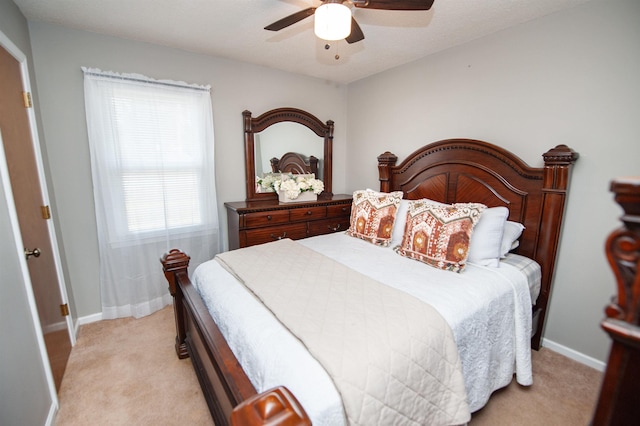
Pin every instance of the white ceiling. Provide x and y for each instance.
(234, 29)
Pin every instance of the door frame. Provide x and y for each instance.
(21, 58)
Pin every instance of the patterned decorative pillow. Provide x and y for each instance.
(373, 215)
(439, 235)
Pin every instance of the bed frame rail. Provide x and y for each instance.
(223, 382)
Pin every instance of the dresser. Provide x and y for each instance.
(256, 222)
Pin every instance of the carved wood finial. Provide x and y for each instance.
(386, 160)
(623, 252)
(273, 407)
(246, 118)
(172, 263)
(561, 154)
(174, 260)
(557, 165)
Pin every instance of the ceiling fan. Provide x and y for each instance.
(333, 20)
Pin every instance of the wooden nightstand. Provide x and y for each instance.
(257, 222)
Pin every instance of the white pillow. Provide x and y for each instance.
(401, 223)
(486, 239)
(512, 231)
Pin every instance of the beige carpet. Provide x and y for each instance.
(125, 372)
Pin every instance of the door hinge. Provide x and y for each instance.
(64, 310)
(26, 97)
(46, 212)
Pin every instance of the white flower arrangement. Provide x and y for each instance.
(292, 185)
(266, 182)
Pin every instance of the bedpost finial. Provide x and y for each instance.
(277, 407)
(627, 190)
(561, 154)
(174, 260)
(387, 158)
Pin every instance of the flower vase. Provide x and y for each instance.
(302, 197)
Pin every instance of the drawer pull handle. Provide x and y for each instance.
(269, 217)
(279, 237)
(309, 212)
(337, 228)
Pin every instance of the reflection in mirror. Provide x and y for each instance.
(281, 138)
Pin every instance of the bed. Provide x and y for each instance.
(450, 171)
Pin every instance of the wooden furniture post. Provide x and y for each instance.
(385, 162)
(619, 402)
(273, 407)
(175, 263)
(557, 172)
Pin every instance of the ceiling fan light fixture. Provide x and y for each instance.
(332, 21)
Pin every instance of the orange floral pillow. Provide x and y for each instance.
(373, 215)
(439, 235)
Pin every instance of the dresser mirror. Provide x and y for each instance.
(285, 131)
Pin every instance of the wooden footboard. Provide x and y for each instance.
(223, 382)
(222, 379)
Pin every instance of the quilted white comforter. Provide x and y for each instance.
(391, 356)
(489, 311)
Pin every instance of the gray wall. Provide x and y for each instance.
(59, 53)
(568, 78)
(24, 392)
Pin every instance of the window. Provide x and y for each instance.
(158, 161)
(152, 166)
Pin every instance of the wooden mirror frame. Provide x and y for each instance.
(279, 115)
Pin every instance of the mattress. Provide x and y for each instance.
(488, 309)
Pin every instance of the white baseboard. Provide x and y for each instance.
(89, 319)
(85, 320)
(53, 412)
(574, 355)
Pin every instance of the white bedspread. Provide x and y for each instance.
(488, 309)
(392, 357)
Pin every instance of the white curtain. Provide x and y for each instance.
(152, 166)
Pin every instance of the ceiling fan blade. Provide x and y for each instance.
(290, 20)
(394, 4)
(356, 32)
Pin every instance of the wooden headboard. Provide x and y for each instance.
(295, 163)
(466, 170)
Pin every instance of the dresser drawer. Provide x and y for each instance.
(274, 217)
(308, 213)
(339, 210)
(258, 222)
(327, 226)
(294, 231)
